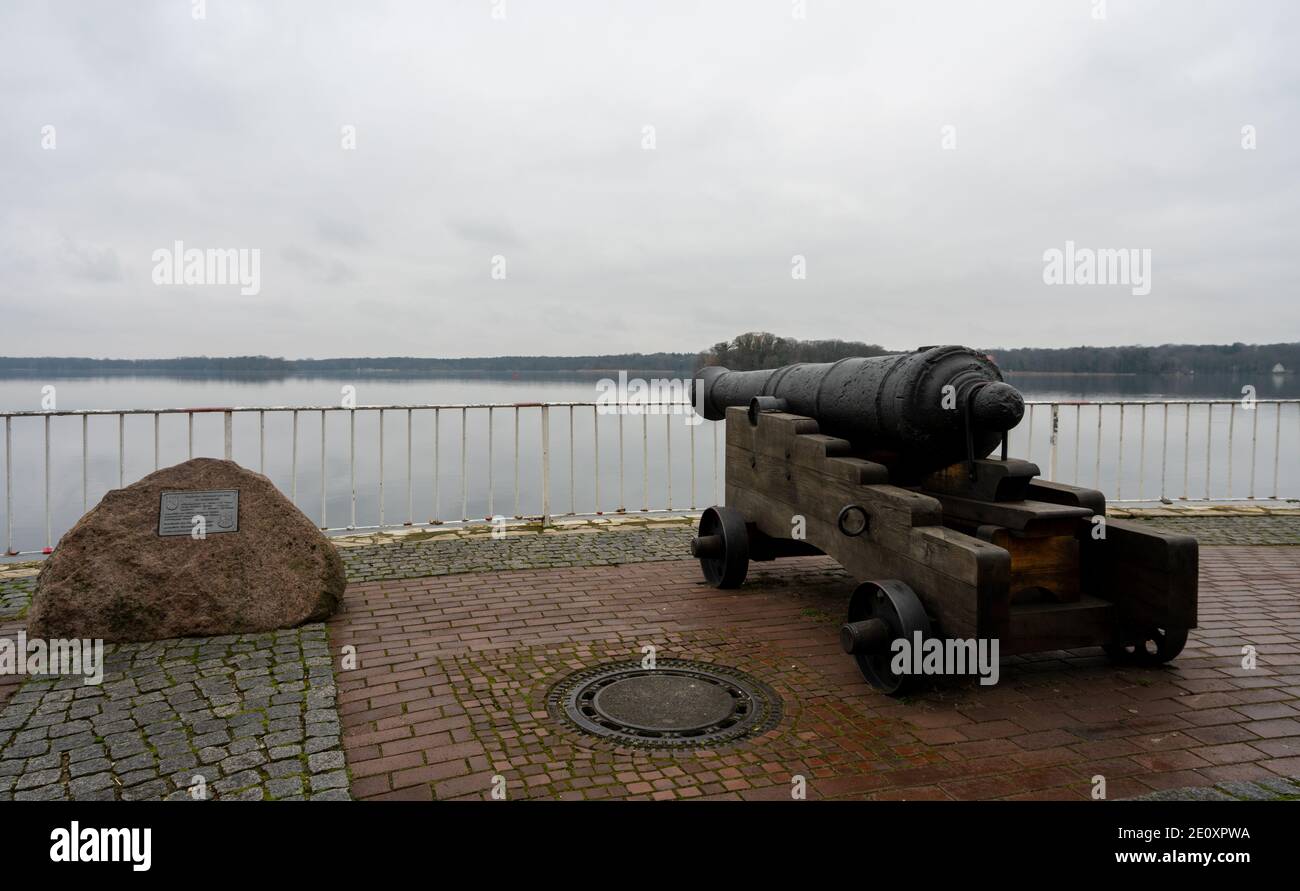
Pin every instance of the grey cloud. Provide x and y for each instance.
(317, 268)
(487, 233)
(92, 262)
(775, 137)
(347, 233)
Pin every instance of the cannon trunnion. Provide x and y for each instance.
(979, 549)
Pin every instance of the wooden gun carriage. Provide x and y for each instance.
(978, 549)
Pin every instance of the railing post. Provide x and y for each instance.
(1142, 449)
(410, 481)
(1119, 459)
(85, 462)
(230, 434)
(9, 489)
(668, 457)
(1078, 425)
(1254, 446)
(1096, 467)
(437, 440)
(1232, 420)
(48, 534)
(1209, 442)
(1277, 445)
(464, 465)
(546, 466)
(517, 512)
(352, 463)
(1056, 426)
(293, 462)
(690, 414)
(324, 506)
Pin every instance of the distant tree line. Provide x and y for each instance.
(755, 349)
(759, 349)
(666, 362)
(1170, 358)
(184, 365)
(262, 365)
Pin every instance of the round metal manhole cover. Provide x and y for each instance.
(676, 703)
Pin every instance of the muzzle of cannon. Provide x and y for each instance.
(914, 412)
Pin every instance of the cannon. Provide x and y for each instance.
(883, 463)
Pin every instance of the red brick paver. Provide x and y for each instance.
(450, 687)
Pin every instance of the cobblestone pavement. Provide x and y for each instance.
(15, 595)
(451, 555)
(1233, 530)
(253, 716)
(596, 546)
(1276, 789)
(453, 674)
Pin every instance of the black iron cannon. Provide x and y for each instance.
(882, 463)
(913, 412)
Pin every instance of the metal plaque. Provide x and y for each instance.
(219, 509)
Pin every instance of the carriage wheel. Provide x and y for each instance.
(1156, 647)
(722, 547)
(880, 613)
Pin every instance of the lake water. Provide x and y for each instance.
(656, 468)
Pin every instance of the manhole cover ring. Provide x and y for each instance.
(678, 703)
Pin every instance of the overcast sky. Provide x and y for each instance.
(524, 137)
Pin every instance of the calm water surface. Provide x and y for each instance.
(1162, 453)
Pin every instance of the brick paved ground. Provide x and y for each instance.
(454, 672)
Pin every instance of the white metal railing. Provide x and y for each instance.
(628, 422)
(1065, 422)
(1058, 426)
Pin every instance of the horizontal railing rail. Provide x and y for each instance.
(1072, 437)
(628, 422)
(1066, 419)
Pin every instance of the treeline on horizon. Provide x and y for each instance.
(756, 349)
(759, 349)
(666, 362)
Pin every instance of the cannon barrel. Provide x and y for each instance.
(911, 411)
